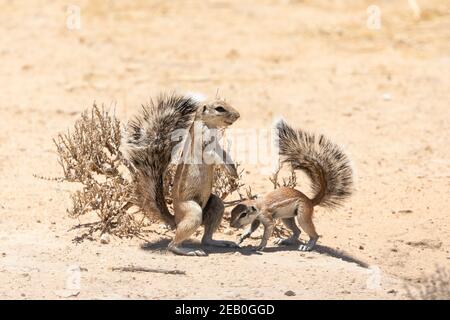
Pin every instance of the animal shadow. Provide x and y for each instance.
(321, 249)
(160, 246)
(340, 255)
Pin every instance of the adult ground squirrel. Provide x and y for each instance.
(149, 144)
(331, 176)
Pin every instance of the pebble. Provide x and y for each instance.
(392, 291)
(105, 238)
(289, 293)
(387, 96)
(228, 232)
(67, 293)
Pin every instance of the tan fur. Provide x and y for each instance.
(331, 180)
(285, 203)
(156, 137)
(193, 184)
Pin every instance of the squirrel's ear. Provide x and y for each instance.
(204, 108)
(253, 208)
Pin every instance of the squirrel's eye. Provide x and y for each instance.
(243, 214)
(221, 109)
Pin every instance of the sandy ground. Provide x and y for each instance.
(384, 93)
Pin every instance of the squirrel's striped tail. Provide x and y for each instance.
(147, 144)
(323, 161)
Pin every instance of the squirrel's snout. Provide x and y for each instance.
(234, 116)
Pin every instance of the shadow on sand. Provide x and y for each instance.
(160, 246)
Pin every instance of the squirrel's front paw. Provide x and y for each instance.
(239, 241)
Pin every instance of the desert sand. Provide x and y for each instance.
(379, 87)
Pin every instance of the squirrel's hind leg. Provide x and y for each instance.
(293, 239)
(304, 218)
(212, 216)
(189, 216)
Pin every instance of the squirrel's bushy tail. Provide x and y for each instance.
(147, 145)
(323, 161)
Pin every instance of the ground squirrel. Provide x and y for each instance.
(149, 144)
(331, 176)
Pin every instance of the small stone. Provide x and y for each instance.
(228, 232)
(289, 293)
(105, 238)
(361, 248)
(67, 293)
(392, 291)
(387, 96)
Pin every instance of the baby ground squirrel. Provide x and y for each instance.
(149, 145)
(331, 176)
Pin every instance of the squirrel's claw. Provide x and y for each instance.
(187, 251)
(286, 242)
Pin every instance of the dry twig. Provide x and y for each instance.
(144, 269)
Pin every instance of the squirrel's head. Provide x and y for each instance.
(217, 114)
(243, 214)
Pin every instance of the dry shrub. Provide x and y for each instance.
(280, 230)
(290, 182)
(90, 155)
(432, 287)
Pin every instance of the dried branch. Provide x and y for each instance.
(433, 287)
(90, 155)
(144, 269)
(290, 181)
